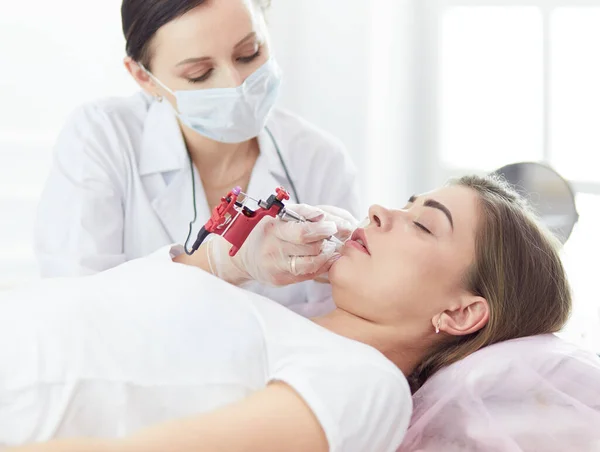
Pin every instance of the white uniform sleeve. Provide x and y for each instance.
(79, 226)
(338, 178)
(361, 408)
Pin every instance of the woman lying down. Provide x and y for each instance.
(157, 355)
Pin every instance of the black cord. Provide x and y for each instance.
(189, 253)
(287, 173)
(203, 233)
(201, 237)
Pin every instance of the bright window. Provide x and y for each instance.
(580, 256)
(491, 78)
(521, 82)
(575, 98)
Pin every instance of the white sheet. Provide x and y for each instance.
(531, 394)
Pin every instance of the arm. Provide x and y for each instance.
(202, 259)
(265, 255)
(79, 226)
(271, 420)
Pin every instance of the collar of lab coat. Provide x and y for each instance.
(163, 147)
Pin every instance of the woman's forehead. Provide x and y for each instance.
(462, 202)
(209, 25)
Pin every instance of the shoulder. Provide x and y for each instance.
(349, 386)
(351, 393)
(103, 134)
(108, 113)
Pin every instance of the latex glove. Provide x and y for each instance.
(269, 251)
(346, 224)
(344, 220)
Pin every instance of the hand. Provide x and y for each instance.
(346, 224)
(279, 253)
(344, 220)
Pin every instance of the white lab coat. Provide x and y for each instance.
(120, 186)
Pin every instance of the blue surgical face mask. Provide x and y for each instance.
(230, 115)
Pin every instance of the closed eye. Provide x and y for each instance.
(423, 228)
(250, 58)
(202, 78)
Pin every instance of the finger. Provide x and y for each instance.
(322, 273)
(310, 213)
(302, 233)
(312, 265)
(345, 229)
(294, 249)
(344, 220)
(324, 270)
(338, 212)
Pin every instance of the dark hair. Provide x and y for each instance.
(517, 269)
(141, 19)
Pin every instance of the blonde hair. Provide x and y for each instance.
(517, 269)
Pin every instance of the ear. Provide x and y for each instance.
(468, 317)
(140, 76)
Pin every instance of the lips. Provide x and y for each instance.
(359, 241)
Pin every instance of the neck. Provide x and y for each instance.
(217, 162)
(394, 342)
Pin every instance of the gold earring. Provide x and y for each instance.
(437, 327)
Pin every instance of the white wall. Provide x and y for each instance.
(55, 56)
(325, 59)
(343, 64)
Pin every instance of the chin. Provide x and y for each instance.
(344, 274)
(336, 271)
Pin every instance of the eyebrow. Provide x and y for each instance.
(436, 205)
(202, 59)
(249, 36)
(192, 60)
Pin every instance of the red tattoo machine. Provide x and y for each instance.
(232, 220)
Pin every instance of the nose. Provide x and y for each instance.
(380, 217)
(232, 77)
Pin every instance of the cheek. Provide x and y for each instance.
(352, 278)
(366, 278)
(410, 272)
(247, 69)
(346, 272)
